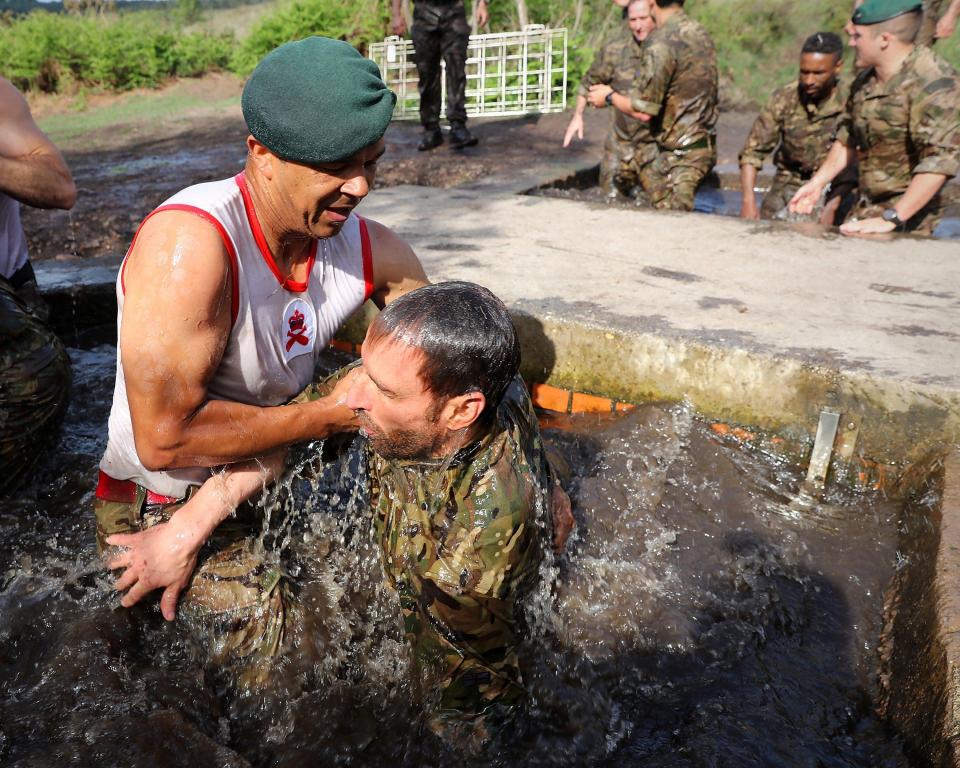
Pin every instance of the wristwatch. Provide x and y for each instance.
(890, 214)
(609, 98)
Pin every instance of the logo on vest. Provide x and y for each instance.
(300, 328)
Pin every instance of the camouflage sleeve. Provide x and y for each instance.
(844, 130)
(601, 70)
(764, 135)
(935, 128)
(657, 71)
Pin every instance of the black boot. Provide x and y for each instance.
(460, 137)
(431, 139)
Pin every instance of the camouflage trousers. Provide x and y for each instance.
(440, 32)
(34, 385)
(621, 167)
(237, 606)
(672, 178)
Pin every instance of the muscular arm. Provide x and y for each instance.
(763, 138)
(396, 268)
(32, 170)
(176, 322)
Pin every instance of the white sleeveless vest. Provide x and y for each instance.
(280, 326)
(13, 243)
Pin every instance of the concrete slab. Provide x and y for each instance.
(888, 308)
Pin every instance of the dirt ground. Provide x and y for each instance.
(126, 169)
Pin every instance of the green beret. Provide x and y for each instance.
(877, 11)
(316, 100)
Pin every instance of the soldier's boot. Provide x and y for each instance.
(431, 139)
(460, 136)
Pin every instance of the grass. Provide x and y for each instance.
(148, 108)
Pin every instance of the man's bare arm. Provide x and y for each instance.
(176, 322)
(32, 170)
(807, 197)
(922, 188)
(396, 268)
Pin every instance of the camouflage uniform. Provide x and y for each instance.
(462, 542)
(34, 384)
(679, 89)
(905, 126)
(440, 31)
(801, 132)
(629, 145)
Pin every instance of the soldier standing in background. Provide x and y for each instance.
(629, 145)
(440, 32)
(798, 122)
(900, 124)
(937, 26)
(678, 96)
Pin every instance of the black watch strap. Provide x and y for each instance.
(891, 215)
(609, 98)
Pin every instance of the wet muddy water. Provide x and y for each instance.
(702, 617)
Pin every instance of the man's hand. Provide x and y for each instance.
(563, 519)
(574, 129)
(597, 95)
(482, 15)
(806, 198)
(872, 226)
(161, 557)
(398, 25)
(946, 26)
(338, 397)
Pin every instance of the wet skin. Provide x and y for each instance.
(818, 75)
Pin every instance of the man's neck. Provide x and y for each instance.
(893, 61)
(290, 249)
(460, 440)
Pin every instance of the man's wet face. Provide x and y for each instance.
(818, 74)
(397, 413)
(322, 196)
(640, 20)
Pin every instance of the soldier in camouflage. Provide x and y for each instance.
(34, 369)
(798, 125)
(629, 146)
(678, 97)
(460, 490)
(900, 124)
(937, 25)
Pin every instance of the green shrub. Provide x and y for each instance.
(359, 23)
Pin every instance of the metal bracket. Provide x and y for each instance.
(823, 448)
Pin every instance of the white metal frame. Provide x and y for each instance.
(508, 73)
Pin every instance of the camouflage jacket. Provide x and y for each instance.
(618, 65)
(462, 541)
(679, 83)
(905, 126)
(801, 132)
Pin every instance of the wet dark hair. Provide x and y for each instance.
(466, 336)
(823, 42)
(668, 3)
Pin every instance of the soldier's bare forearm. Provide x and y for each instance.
(39, 180)
(921, 190)
(748, 181)
(838, 158)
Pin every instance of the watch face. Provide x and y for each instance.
(891, 215)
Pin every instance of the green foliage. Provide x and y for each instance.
(52, 52)
(359, 23)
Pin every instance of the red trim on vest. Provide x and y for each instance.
(367, 254)
(125, 491)
(227, 242)
(286, 282)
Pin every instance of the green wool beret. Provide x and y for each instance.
(316, 100)
(877, 11)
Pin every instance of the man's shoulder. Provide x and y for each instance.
(786, 96)
(929, 70)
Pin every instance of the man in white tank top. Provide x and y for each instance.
(228, 294)
(34, 369)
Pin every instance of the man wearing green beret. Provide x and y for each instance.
(228, 293)
(900, 123)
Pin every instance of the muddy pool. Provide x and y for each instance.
(705, 615)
